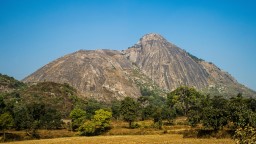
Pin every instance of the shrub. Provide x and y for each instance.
(88, 128)
(77, 116)
(245, 135)
(135, 125)
(99, 124)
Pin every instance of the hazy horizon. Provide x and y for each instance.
(34, 33)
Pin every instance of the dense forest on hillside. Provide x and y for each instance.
(47, 105)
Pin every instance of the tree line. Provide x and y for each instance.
(93, 117)
(29, 117)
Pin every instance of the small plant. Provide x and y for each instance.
(246, 135)
(135, 125)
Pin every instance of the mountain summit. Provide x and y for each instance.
(153, 61)
(151, 37)
(166, 64)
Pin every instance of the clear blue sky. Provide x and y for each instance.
(35, 32)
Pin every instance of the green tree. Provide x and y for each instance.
(194, 117)
(252, 104)
(158, 120)
(88, 128)
(115, 108)
(168, 114)
(6, 121)
(22, 118)
(91, 106)
(211, 112)
(183, 98)
(129, 110)
(98, 124)
(2, 105)
(78, 116)
(240, 112)
(36, 110)
(31, 117)
(147, 112)
(51, 119)
(102, 119)
(195, 114)
(214, 118)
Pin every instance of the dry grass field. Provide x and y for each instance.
(129, 139)
(120, 134)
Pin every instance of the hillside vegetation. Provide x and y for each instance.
(61, 97)
(8, 84)
(32, 108)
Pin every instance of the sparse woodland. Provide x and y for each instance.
(46, 106)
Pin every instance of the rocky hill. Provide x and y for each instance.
(100, 74)
(153, 62)
(170, 67)
(166, 64)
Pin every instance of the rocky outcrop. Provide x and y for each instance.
(170, 67)
(107, 74)
(99, 74)
(166, 64)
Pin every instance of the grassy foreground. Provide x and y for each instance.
(129, 139)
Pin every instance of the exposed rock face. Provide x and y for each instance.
(166, 64)
(170, 67)
(107, 74)
(221, 82)
(99, 74)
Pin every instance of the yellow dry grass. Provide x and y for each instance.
(121, 128)
(129, 139)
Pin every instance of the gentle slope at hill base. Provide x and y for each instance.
(106, 75)
(129, 139)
